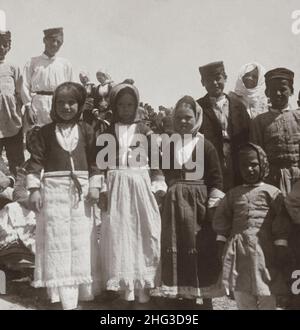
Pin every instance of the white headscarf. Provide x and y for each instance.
(252, 97)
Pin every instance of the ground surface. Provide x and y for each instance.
(21, 296)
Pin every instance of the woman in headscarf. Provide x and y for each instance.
(63, 198)
(250, 87)
(194, 178)
(255, 238)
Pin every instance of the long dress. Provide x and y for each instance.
(66, 243)
(130, 229)
(190, 267)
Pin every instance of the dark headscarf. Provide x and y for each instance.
(116, 92)
(78, 92)
(262, 159)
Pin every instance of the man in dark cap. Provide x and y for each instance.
(278, 130)
(225, 120)
(11, 136)
(42, 74)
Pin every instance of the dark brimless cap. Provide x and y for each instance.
(212, 69)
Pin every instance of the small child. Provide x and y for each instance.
(66, 243)
(189, 253)
(96, 110)
(11, 135)
(255, 239)
(131, 223)
(250, 87)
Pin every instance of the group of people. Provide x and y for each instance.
(104, 223)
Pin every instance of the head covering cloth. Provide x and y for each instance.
(262, 159)
(185, 102)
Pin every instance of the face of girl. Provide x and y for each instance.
(66, 105)
(126, 108)
(250, 79)
(184, 120)
(249, 166)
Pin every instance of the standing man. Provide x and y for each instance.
(225, 120)
(42, 74)
(277, 131)
(11, 137)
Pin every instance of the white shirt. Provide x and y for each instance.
(125, 134)
(43, 73)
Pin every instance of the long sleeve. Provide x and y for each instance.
(96, 179)
(256, 132)
(26, 84)
(212, 168)
(292, 203)
(222, 221)
(281, 221)
(35, 164)
(213, 174)
(18, 84)
(156, 174)
(20, 193)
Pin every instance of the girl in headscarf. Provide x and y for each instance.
(250, 87)
(63, 198)
(131, 223)
(255, 238)
(189, 258)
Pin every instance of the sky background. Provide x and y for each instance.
(159, 43)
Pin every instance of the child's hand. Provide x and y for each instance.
(31, 115)
(93, 195)
(4, 182)
(220, 245)
(35, 200)
(159, 196)
(103, 201)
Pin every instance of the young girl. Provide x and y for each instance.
(189, 258)
(65, 235)
(131, 224)
(250, 87)
(255, 238)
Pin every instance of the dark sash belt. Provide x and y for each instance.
(44, 93)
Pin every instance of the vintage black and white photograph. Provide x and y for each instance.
(150, 155)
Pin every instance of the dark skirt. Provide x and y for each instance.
(188, 243)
